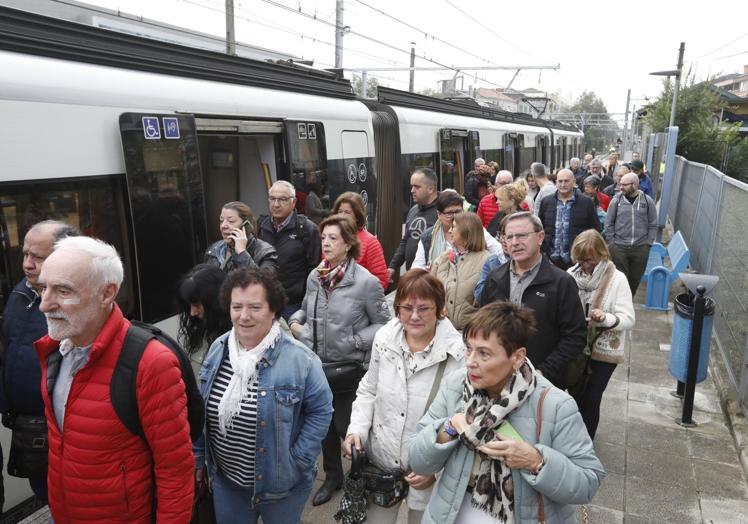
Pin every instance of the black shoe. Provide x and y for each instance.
(325, 492)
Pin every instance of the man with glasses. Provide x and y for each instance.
(296, 240)
(530, 280)
(596, 168)
(438, 238)
(630, 229)
(489, 204)
(564, 215)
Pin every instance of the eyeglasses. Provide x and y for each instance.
(279, 200)
(451, 214)
(519, 236)
(409, 310)
(626, 185)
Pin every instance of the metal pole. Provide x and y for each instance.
(364, 81)
(686, 419)
(677, 83)
(230, 32)
(411, 84)
(626, 127)
(339, 33)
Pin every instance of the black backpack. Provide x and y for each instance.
(125, 376)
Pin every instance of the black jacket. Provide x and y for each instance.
(553, 297)
(298, 248)
(258, 254)
(419, 219)
(473, 183)
(583, 217)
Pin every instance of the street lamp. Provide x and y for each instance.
(676, 73)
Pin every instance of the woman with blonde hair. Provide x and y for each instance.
(524, 190)
(458, 268)
(606, 296)
(510, 201)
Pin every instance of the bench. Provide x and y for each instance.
(659, 277)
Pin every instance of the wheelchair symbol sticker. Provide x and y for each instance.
(151, 128)
(352, 172)
(365, 197)
(362, 172)
(171, 128)
(301, 131)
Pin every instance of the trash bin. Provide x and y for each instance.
(680, 343)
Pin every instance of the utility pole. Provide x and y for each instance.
(230, 32)
(677, 82)
(339, 33)
(626, 126)
(411, 84)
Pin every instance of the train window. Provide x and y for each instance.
(410, 163)
(307, 159)
(95, 205)
(167, 202)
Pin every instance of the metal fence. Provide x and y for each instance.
(711, 211)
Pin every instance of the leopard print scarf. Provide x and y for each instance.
(494, 489)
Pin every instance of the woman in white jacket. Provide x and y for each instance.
(410, 356)
(606, 297)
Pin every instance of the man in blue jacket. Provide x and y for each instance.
(23, 324)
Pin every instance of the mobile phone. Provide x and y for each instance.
(507, 430)
(587, 310)
(247, 231)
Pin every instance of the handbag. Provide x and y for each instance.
(28, 447)
(203, 511)
(343, 377)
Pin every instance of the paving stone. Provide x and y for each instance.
(598, 515)
(660, 467)
(653, 501)
(610, 494)
(720, 479)
(611, 430)
(704, 400)
(718, 510)
(712, 448)
(651, 414)
(612, 456)
(642, 435)
(650, 374)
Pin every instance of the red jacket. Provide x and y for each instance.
(489, 206)
(604, 200)
(98, 470)
(372, 257)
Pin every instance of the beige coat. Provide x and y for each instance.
(459, 282)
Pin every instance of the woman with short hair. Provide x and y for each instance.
(372, 255)
(267, 406)
(510, 201)
(506, 444)
(239, 247)
(458, 268)
(605, 292)
(410, 356)
(343, 308)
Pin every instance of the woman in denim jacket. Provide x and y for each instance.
(268, 407)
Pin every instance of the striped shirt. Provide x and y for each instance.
(234, 453)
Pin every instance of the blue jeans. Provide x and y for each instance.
(234, 505)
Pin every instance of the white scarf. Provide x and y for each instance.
(244, 365)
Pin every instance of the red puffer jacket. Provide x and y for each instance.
(372, 257)
(98, 470)
(489, 206)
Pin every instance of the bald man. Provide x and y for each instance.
(630, 229)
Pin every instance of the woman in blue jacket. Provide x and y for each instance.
(267, 406)
(506, 444)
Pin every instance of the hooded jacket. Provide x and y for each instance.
(419, 219)
(389, 403)
(98, 470)
(340, 326)
(631, 224)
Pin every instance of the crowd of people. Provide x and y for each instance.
(475, 402)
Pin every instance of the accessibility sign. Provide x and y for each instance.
(171, 127)
(151, 128)
(302, 131)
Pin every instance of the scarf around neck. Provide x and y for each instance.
(330, 276)
(494, 488)
(244, 367)
(594, 288)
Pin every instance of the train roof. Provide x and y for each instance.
(34, 34)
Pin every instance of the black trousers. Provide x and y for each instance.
(589, 400)
(341, 417)
(632, 262)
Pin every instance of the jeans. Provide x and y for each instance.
(632, 262)
(341, 417)
(234, 505)
(589, 400)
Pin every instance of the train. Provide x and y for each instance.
(139, 143)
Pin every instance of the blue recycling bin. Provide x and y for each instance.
(680, 343)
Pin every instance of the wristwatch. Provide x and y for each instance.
(449, 430)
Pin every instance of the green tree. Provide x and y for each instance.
(371, 86)
(701, 136)
(600, 131)
(431, 92)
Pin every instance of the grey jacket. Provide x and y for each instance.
(259, 254)
(342, 326)
(628, 224)
(571, 473)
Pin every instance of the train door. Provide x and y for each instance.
(541, 149)
(511, 152)
(455, 158)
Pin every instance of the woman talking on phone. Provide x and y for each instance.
(239, 247)
(511, 447)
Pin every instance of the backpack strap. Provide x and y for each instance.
(122, 388)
